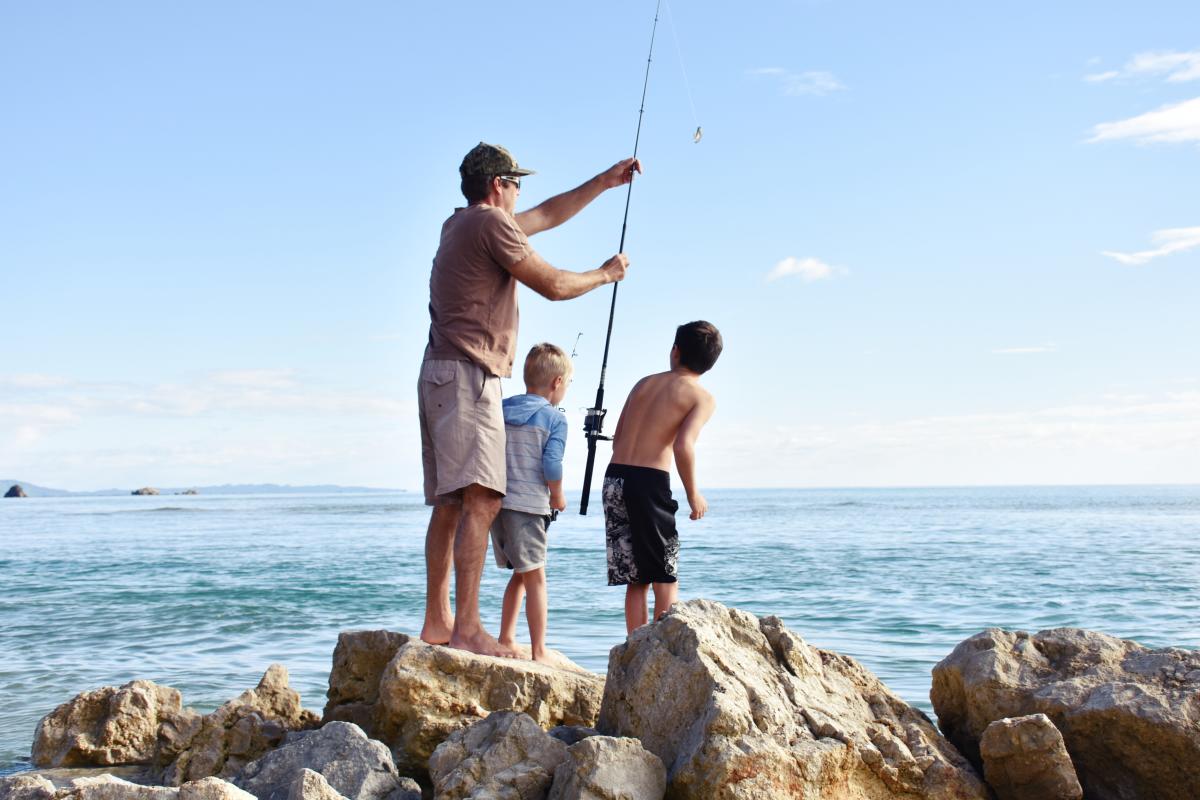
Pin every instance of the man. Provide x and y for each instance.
(484, 252)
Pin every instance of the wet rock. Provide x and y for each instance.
(107, 726)
(1025, 759)
(358, 664)
(741, 707)
(504, 757)
(429, 692)
(145, 490)
(223, 742)
(607, 768)
(1126, 712)
(353, 765)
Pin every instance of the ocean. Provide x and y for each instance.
(203, 593)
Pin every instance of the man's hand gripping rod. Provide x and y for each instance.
(593, 420)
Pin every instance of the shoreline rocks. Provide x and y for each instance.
(1129, 715)
(741, 707)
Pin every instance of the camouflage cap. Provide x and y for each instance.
(490, 159)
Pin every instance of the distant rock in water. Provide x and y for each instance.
(189, 491)
(145, 490)
(16, 491)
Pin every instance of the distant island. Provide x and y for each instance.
(33, 490)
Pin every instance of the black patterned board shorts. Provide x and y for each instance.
(639, 525)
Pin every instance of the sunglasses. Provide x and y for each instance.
(514, 181)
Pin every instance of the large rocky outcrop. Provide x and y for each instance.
(358, 664)
(110, 787)
(428, 692)
(1024, 758)
(1129, 715)
(241, 730)
(504, 757)
(738, 707)
(354, 766)
(608, 768)
(15, 491)
(106, 726)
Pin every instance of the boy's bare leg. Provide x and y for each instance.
(535, 612)
(439, 559)
(480, 506)
(514, 594)
(665, 595)
(635, 606)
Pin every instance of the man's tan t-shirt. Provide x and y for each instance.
(472, 296)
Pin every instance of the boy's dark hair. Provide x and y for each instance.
(699, 345)
(476, 187)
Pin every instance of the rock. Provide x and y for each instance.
(241, 730)
(1126, 712)
(110, 787)
(353, 765)
(504, 757)
(145, 490)
(1025, 759)
(106, 726)
(15, 491)
(310, 785)
(605, 768)
(26, 787)
(740, 707)
(358, 664)
(570, 734)
(428, 692)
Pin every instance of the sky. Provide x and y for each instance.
(946, 243)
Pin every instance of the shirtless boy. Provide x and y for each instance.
(662, 417)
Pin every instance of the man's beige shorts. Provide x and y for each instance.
(462, 429)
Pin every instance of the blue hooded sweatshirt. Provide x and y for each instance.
(536, 434)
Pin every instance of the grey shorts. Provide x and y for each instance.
(462, 430)
(519, 540)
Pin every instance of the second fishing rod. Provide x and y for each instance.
(593, 420)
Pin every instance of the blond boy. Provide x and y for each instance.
(662, 418)
(536, 434)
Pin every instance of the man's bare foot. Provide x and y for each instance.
(436, 634)
(482, 643)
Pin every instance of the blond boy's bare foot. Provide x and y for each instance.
(543, 657)
(481, 643)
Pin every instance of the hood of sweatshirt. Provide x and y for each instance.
(519, 409)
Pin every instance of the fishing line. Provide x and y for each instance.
(593, 420)
(686, 85)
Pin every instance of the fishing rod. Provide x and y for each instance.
(593, 420)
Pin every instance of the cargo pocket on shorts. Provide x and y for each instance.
(437, 374)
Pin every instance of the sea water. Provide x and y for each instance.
(202, 593)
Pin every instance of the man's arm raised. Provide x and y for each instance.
(560, 284)
(560, 208)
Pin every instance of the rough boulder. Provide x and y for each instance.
(1129, 715)
(607, 768)
(107, 726)
(1025, 759)
(504, 757)
(740, 707)
(428, 692)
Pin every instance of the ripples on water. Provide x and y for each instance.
(204, 594)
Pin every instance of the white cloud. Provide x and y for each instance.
(33, 380)
(1170, 240)
(1178, 122)
(811, 82)
(1178, 67)
(1021, 351)
(808, 269)
(256, 378)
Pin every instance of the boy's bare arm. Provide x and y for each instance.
(558, 500)
(685, 451)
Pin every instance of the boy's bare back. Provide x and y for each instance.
(654, 416)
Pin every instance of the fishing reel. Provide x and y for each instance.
(593, 424)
